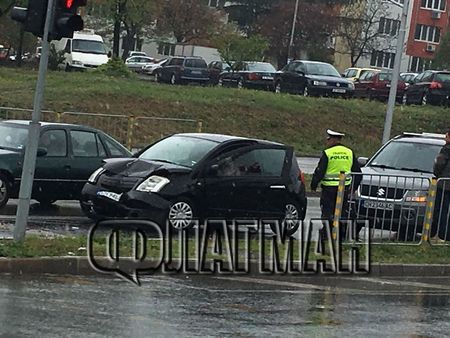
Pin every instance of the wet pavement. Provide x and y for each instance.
(198, 306)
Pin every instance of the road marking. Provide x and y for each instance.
(399, 283)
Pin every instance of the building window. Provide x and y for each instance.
(418, 65)
(433, 4)
(427, 33)
(213, 3)
(382, 59)
(166, 49)
(388, 26)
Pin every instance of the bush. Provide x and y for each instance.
(115, 67)
(55, 58)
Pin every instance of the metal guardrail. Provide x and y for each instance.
(405, 209)
(133, 131)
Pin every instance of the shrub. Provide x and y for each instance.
(115, 67)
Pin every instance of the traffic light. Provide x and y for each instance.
(32, 17)
(66, 19)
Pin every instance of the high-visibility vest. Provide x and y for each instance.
(340, 159)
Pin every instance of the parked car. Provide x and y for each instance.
(312, 78)
(430, 87)
(256, 75)
(189, 176)
(394, 188)
(137, 63)
(215, 68)
(179, 70)
(376, 84)
(355, 73)
(408, 78)
(67, 155)
(153, 68)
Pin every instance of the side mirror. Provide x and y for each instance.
(363, 160)
(356, 80)
(213, 170)
(299, 72)
(41, 152)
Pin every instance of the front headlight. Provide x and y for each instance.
(95, 175)
(77, 63)
(417, 196)
(319, 83)
(153, 184)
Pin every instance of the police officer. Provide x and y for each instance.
(335, 159)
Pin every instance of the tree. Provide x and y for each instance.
(314, 27)
(189, 21)
(359, 31)
(234, 47)
(442, 58)
(246, 13)
(5, 6)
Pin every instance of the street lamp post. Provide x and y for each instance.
(291, 42)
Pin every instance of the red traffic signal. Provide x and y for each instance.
(66, 19)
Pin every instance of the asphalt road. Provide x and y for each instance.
(199, 306)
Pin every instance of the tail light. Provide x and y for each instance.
(301, 177)
(253, 76)
(435, 85)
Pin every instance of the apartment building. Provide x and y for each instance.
(428, 22)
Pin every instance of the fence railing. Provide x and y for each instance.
(132, 131)
(397, 209)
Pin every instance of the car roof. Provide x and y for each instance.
(221, 138)
(428, 138)
(316, 62)
(43, 124)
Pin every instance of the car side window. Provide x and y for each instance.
(427, 77)
(419, 77)
(113, 149)
(55, 142)
(84, 144)
(100, 147)
(300, 67)
(256, 162)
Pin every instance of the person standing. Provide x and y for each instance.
(441, 169)
(335, 159)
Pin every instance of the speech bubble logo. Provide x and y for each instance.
(135, 233)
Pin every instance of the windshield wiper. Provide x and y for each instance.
(383, 166)
(417, 170)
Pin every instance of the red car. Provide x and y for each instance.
(376, 84)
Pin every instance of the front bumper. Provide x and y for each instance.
(133, 204)
(330, 91)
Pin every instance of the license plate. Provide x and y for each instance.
(111, 195)
(378, 205)
(267, 78)
(196, 72)
(388, 86)
(339, 91)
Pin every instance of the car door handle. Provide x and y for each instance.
(277, 187)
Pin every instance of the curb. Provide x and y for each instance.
(81, 266)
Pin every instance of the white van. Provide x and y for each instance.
(85, 50)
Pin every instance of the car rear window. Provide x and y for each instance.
(412, 155)
(195, 63)
(443, 77)
(261, 67)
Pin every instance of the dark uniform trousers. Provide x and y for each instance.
(328, 206)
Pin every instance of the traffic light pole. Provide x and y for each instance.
(29, 164)
(395, 73)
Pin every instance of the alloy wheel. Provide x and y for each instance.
(173, 79)
(278, 88)
(181, 215)
(424, 100)
(240, 84)
(220, 82)
(3, 191)
(305, 91)
(291, 217)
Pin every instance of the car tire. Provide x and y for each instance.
(291, 220)
(173, 79)
(241, 83)
(424, 99)
(157, 77)
(89, 213)
(220, 82)
(181, 214)
(278, 88)
(68, 68)
(5, 190)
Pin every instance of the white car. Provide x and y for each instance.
(136, 63)
(137, 53)
(151, 69)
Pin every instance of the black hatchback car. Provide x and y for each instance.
(198, 176)
(311, 78)
(256, 75)
(181, 70)
(430, 87)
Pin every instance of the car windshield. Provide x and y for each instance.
(407, 155)
(321, 69)
(261, 67)
(180, 150)
(443, 77)
(88, 46)
(13, 136)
